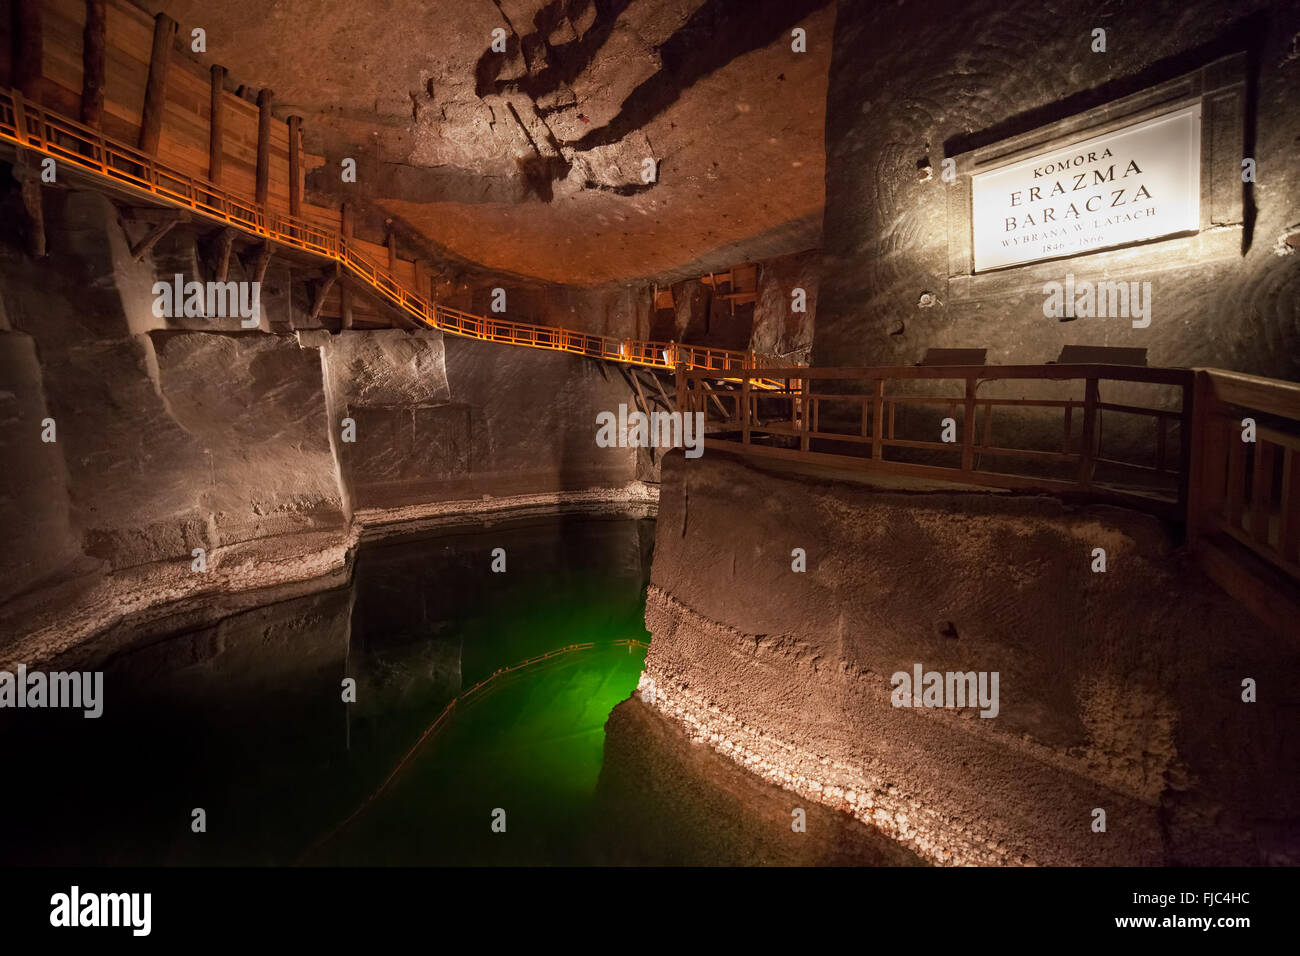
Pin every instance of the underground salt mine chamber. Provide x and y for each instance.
(642, 434)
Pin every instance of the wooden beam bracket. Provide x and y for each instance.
(140, 249)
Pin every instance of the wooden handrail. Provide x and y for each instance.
(88, 150)
(795, 427)
(1248, 490)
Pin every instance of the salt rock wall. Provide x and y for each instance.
(779, 330)
(443, 419)
(908, 88)
(175, 433)
(1118, 690)
(170, 440)
(34, 483)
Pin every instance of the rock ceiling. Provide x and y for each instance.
(533, 160)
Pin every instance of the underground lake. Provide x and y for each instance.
(432, 712)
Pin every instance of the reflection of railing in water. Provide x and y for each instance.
(450, 710)
(45, 131)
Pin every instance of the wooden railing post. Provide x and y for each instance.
(1090, 393)
(1199, 453)
(878, 420)
(968, 432)
(744, 408)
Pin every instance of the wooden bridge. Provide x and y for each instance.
(126, 169)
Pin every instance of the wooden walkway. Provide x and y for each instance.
(127, 169)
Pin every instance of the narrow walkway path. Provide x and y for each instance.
(124, 167)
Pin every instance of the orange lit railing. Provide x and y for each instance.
(44, 131)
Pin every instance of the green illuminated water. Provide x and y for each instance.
(246, 721)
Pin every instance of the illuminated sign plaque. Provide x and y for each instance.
(1137, 183)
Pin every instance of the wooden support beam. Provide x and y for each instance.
(264, 98)
(663, 394)
(423, 277)
(225, 243)
(140, 249)
(322, 289)
(155, 91)
(348, 219)
(216, 124)
(295, 166)
(94, 63)
(345, 305)
(27, 47)
(635, 382)
(27, 170)
(263, 260)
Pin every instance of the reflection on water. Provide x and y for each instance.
(245, 719)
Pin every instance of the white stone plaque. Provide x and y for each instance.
(1137, 183)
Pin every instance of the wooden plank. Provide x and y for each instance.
(1244, 577)
(744, 409)
(1253, 391)
(295, 166)
(216, 118)
(94, 57)
(968, 428)
(982, 373)
(264, 98)
(1261, 494)
(1289, 536)
(1236, 490)
(1086, 450)
(155, 94)
(27, 46)
(985, 479)
(878, 420)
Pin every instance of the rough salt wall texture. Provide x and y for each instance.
(780, 331)
(39, 539)
(893, 106)
(440, 419)
(171, 441)
(1118, 690)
